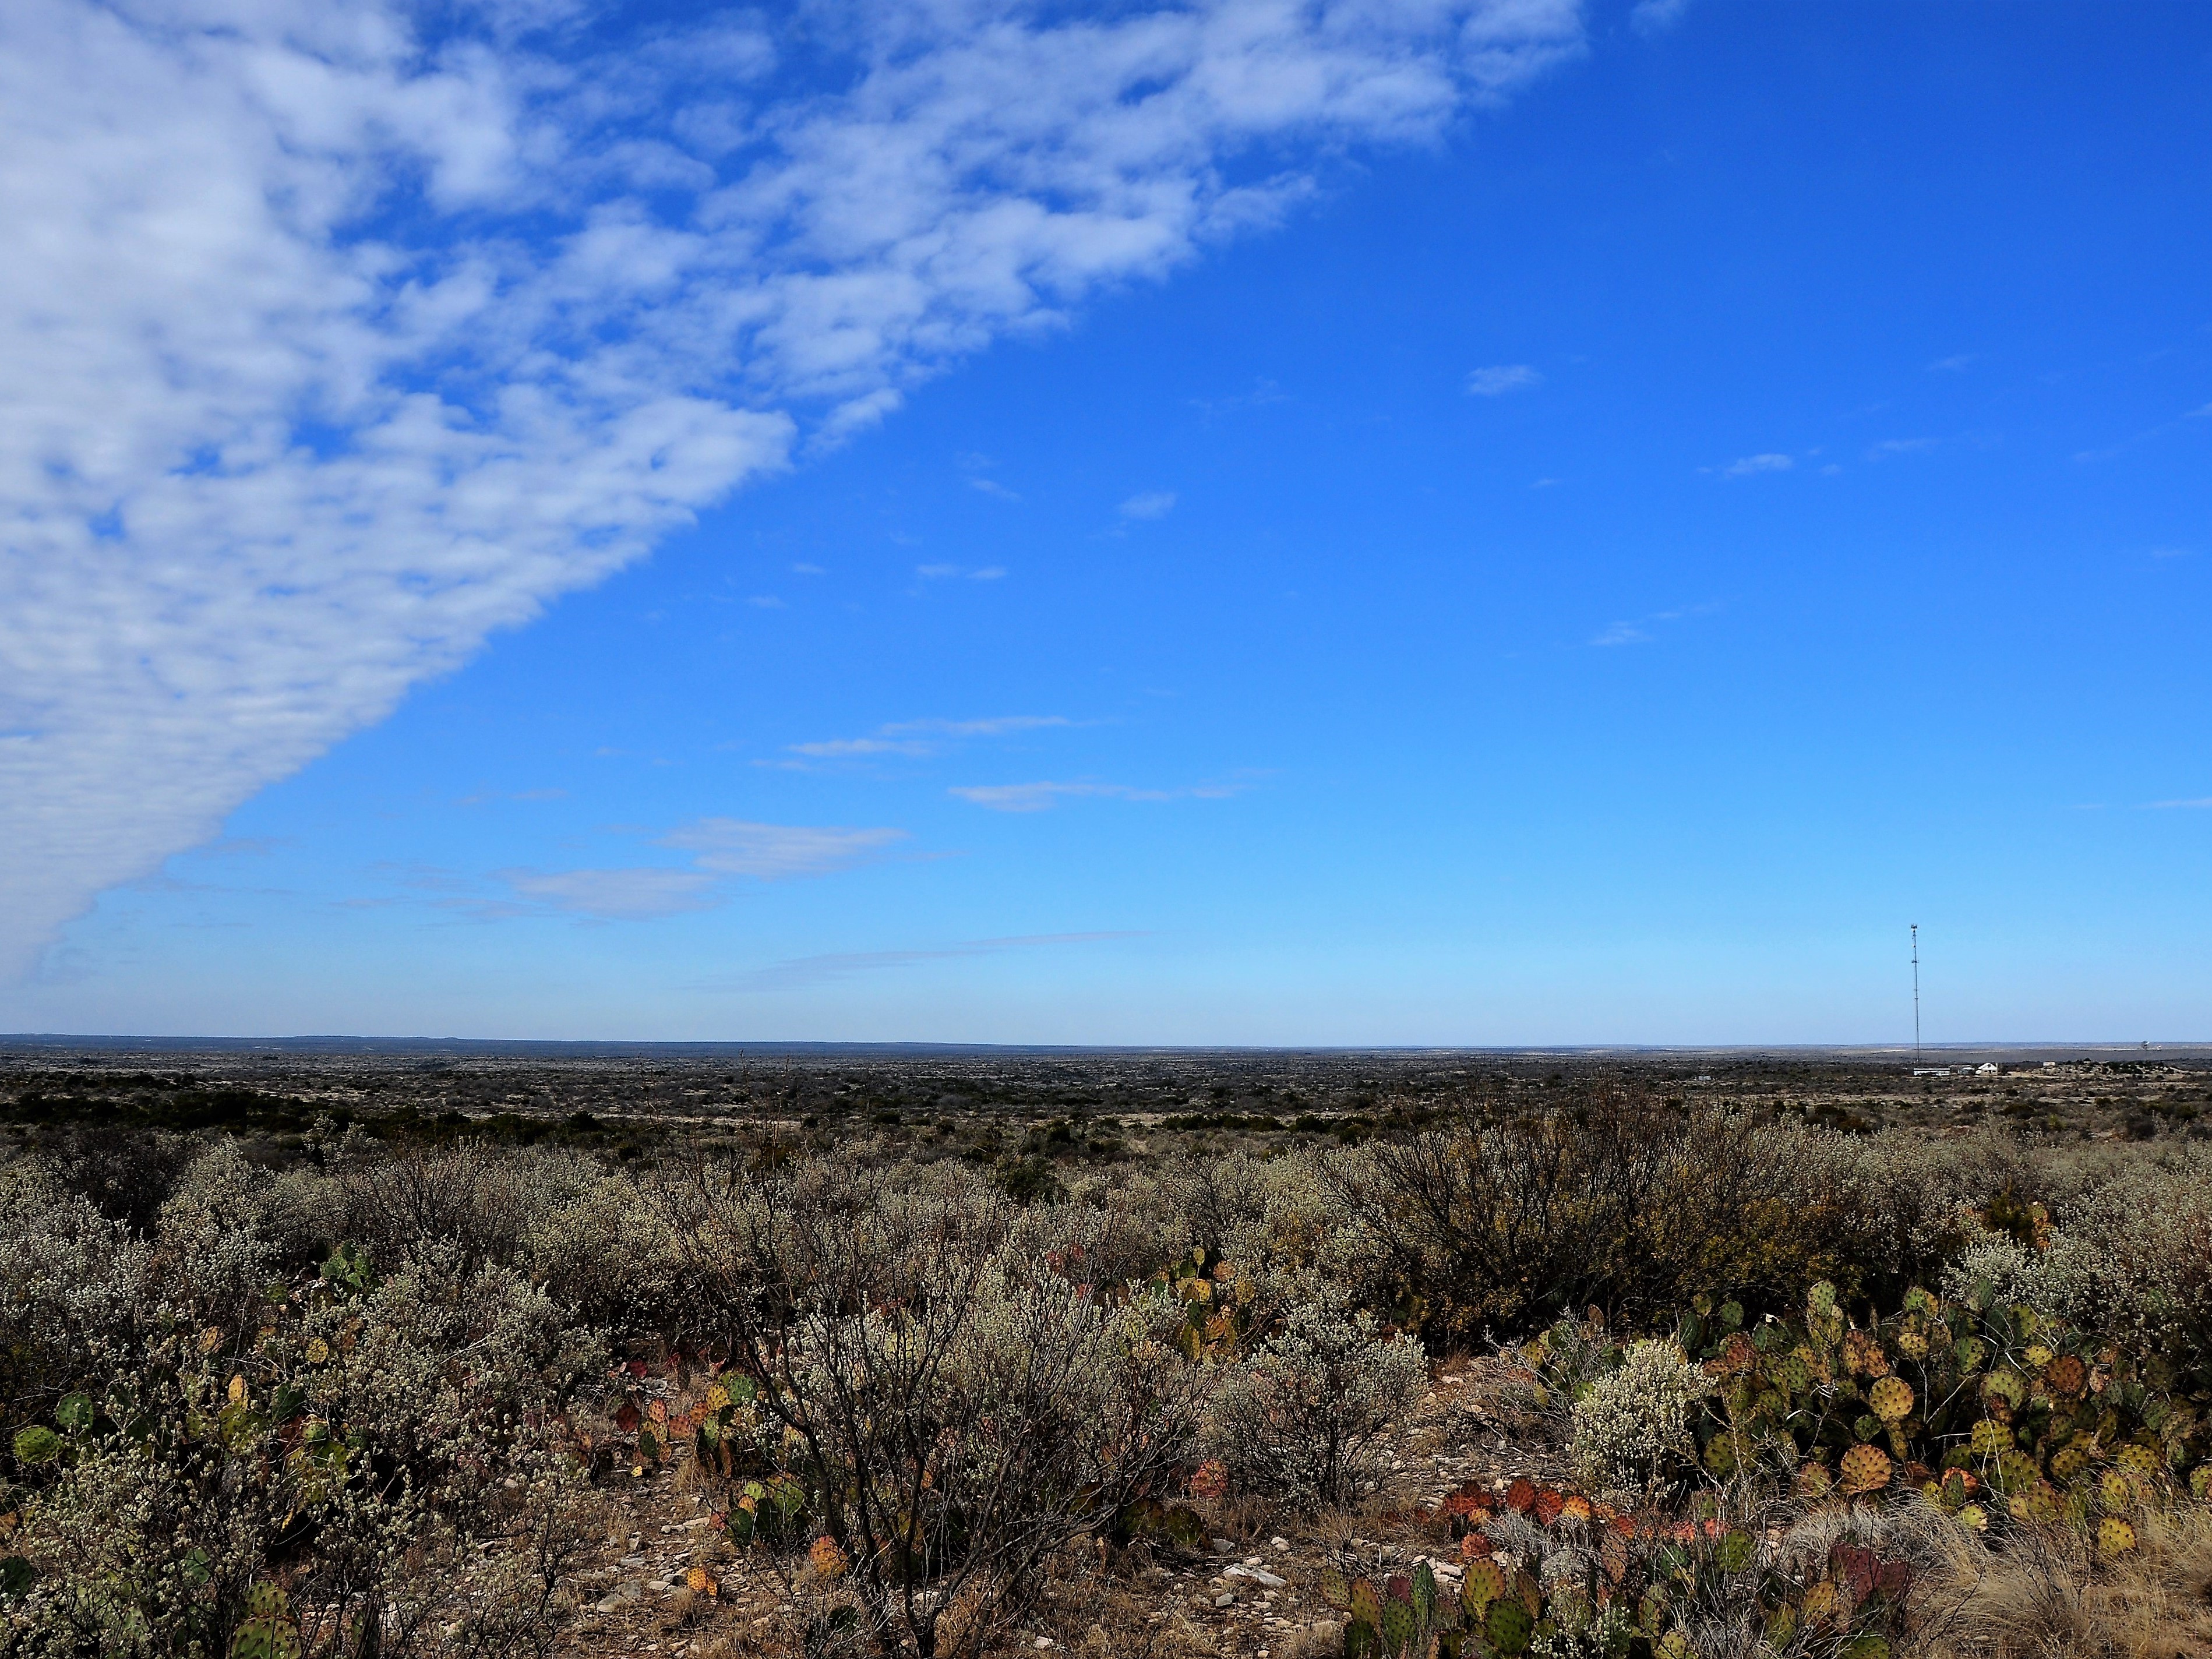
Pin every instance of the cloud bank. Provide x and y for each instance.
(333, 338)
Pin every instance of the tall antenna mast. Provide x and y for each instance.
(1915, 993)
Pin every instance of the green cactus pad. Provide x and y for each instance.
(1366, 1603)
(1484, 1584)
(1425, 1593)
(1398, 1624)
(1509, 1626)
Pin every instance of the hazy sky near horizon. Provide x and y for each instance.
(1450, 521)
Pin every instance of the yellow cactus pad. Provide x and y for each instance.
(1892, 1399)
(1865, 1469)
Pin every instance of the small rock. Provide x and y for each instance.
(1226, 1599)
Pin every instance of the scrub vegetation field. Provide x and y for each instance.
(453, 1350)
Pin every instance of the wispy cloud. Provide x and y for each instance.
(778, 852)
(945, 573)
(992, 487)
(482, 797)
(797, 971)
(1640, 630)
(1501, 377)
(917, 738)
(1952, 365)
(1152, 504)
(722, 850)
(995, 726)
(1890, 448)
(2113, 450)
(2183, 806)
(633, 895)
(1264, 391)
(1657, 16)
(1751, 466)
(454, 312)
(1038, 797)
(861, 747)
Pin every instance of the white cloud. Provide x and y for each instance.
(923, 737)
(992, 487)
(1751, 465)
(334, 338)
(1640, 631)
(1501, 377)
(1037, 797)
(1152, 504)
(1952, 365)
(616, 895)
(1889, 447)
(995, 726)
(778, 852)
(719, 848)
(859, 748)
(1657, 16)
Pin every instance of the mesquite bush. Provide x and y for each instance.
(956, 1408)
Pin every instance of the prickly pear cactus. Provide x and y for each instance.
(1484, 1584)
(1509, 1626)
(1399, 1624)
(268, 1631)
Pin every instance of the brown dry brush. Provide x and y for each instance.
(1614, 1198)
(2039, 1593)
(956, 1410)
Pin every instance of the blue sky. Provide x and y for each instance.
(1588, 551)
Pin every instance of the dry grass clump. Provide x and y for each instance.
(2045, 1595)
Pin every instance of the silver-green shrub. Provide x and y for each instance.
(1303, 1417)
(1631, 1422)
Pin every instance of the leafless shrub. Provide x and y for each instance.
(1613, 1199)
(959, 1410)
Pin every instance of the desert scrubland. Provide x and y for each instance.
(465, 1350)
